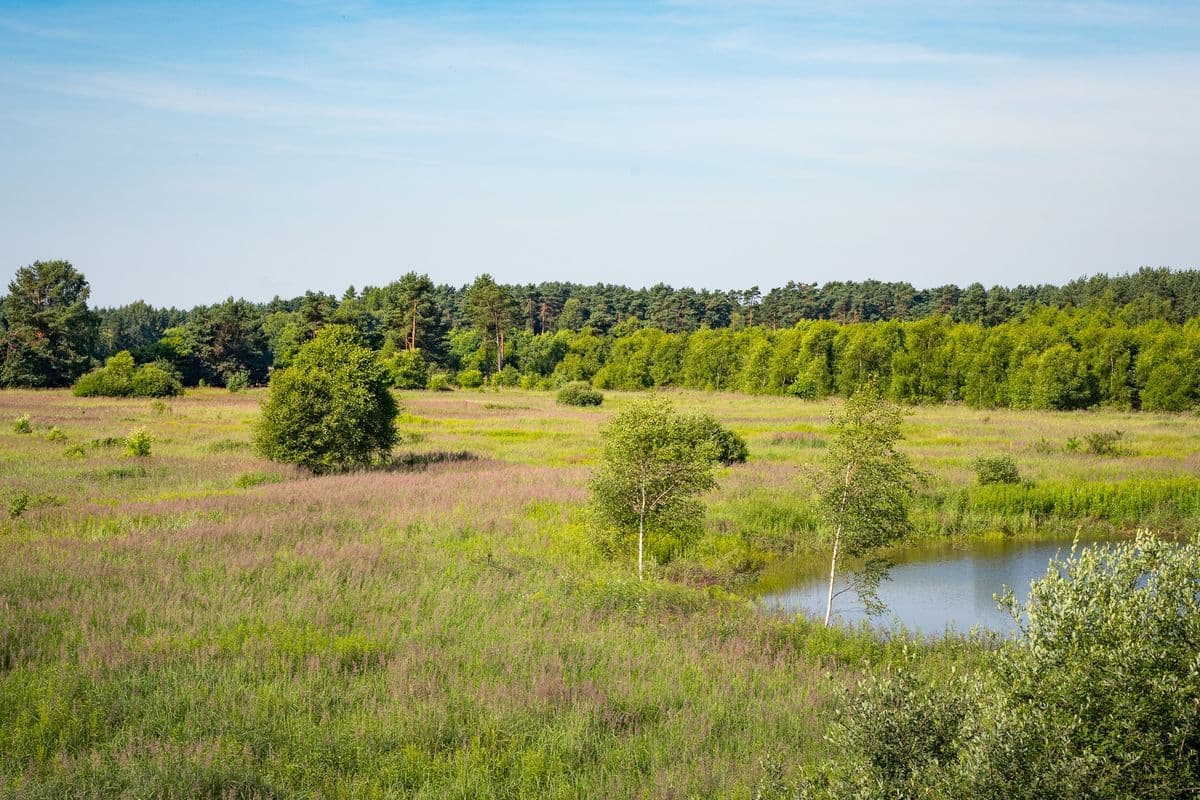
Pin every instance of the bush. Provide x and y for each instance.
(238, 380)
(408, 369)
(996, 469)
(120, 377)
(56, 434)
(19, 504)
(1095, 697)
(579, 393)
(75, 451)
(21, 424)
(155, 380)
(728, 447)
(439, 382)
(332, 409)
(137, 443)
(1105, 443)
(470, 379)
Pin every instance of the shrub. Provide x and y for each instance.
(155, 380)
(996, 469)
(237, 381)
(728, 447)
(120, 377)
(438, 382)
(248, 480)
(56, 434)
(332, 409)
(408, 369)
(19, 504)
(470, 379)
(1105, 443)
(579, 393)
(1096, 696)
(137, 443)
(21, 424)
(75, 451)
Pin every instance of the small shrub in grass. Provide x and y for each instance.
(248, 480)
(137, 443)
(996, 469)
(470, 379)
(1105, 443)
(19, 504)
(75, 451)
(158, 408)
(728, 447)
(21, 424)
(237, 381)
(1072, 445)
(438, 382)
(56, 434)
(108, 441)
(579, 393)
(1044, 446)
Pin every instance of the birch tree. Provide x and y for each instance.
(654, 466)
(866, 488)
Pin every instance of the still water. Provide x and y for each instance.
(932, 588)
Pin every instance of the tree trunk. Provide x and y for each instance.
(837, 538)
(412, 345)
(641, 531)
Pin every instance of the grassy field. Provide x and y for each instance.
(205, 623)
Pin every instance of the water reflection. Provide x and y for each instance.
(932, 588)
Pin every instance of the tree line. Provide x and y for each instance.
(1129, 341)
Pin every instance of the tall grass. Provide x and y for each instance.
(207, 624)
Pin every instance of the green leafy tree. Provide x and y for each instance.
(50, 334)
(866, 488)
(654, 466)
(332, 409)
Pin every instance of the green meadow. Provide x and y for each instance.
(204, 623)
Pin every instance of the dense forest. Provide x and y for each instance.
(1130, 341)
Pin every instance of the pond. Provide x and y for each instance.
(932, 587)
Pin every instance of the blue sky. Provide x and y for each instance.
(182, 153)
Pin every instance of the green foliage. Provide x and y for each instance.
(75, 451)
(121, 377)
(408, 369)
(653, 468)
(237, 380)
(248, 480)
(22, 425)
(332, 409)
(56, 434)
(19, 504)
(439, 382)
(996, 469)
(48, 332)
(1105, 443)
(865, 487)
(1096, 697)
(137, 443)
(727, 447)
(470, 379)
(579, 393)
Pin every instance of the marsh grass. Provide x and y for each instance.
(450, 630)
